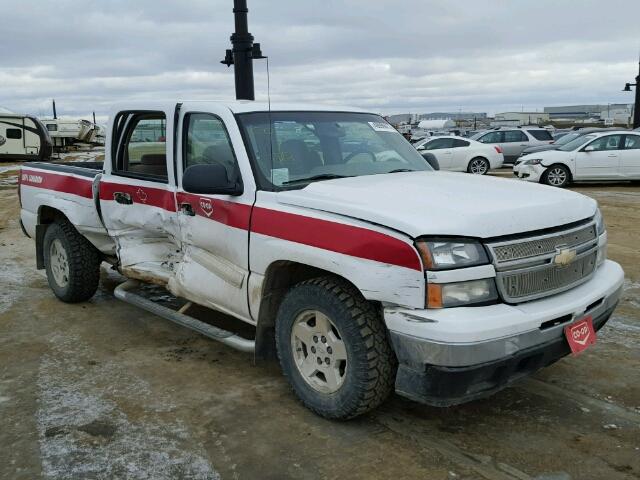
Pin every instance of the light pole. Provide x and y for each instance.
(636, 107)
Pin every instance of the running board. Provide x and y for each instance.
(122, 292)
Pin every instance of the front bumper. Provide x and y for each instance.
(530, 173)
(455, 355)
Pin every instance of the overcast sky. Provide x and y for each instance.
(386, 55)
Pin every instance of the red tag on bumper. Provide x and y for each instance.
(580, 334)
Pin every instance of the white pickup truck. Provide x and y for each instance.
(360, 267)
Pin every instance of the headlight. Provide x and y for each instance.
(474, 292)
(448, 254)
(533, 161)
(600, 227)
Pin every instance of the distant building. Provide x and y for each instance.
(453, 116)
(582, 111)
(515, 119)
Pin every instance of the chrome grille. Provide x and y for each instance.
(548, 278)
(526, 269)
(544, 245)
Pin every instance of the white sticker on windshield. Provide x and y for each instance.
(381, 127)
(279, 176)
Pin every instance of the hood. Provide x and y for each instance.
(539, 148)
(445, 203)
(548, 156)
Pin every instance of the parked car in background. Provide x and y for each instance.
(512, 141)
(568, 137)
(459, 154)
(610, 155)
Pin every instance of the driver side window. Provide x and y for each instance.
(492, 137)
(610, 142)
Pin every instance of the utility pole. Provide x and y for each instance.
(636, 107)
(242, 53)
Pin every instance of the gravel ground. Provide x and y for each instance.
(103, 390)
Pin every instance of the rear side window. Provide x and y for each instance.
(142, 148)
(632, 142)
(439, 144)
(491, 137)
(515, 136)
(207, 142)
(14, 133)
(460, 143)
(543, 135)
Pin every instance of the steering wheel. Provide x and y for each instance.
(359, 152)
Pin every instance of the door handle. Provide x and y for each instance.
(122, 198)
(612, 155)
(187, 209)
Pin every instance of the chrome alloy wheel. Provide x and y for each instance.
(318, 351)
(557, 176)
(59, 263)
(478, 167)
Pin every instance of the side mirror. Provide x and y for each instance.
(589, 148)
(421, 147)
(209, 179)
(431, 160)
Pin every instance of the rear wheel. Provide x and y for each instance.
(478, 166)
(71, 262)
(333, 349)
(557, 176)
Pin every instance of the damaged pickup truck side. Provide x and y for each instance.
(358, 265)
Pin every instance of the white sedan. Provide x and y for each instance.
(459, 154)
(610, 155)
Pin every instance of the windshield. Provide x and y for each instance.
(576, 143)
(293, 149)
(568, 137)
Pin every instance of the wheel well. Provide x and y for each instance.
(279, 279)
(559, 165)
(46, 216)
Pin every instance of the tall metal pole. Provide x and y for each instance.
(55, 114)
(242, 53)
(636, 108)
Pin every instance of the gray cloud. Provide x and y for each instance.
(389, 56)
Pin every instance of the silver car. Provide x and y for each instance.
(512, 141)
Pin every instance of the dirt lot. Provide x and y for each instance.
(103, 390)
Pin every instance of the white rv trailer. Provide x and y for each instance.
(66, 133)
(23, 138)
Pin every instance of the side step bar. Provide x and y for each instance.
(122, 292)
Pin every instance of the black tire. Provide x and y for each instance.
(371, 364)
(83, 261)
(479, 166)
(557, 176)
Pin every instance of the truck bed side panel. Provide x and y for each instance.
(68, 190)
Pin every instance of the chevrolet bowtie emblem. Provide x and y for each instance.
(564, 257)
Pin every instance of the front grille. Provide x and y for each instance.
(545, 245)
(526, 269)
(548, 278)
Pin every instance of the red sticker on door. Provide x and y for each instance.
(206, 206)
(580, 334)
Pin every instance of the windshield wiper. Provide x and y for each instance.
(400, 170)
(322, 176)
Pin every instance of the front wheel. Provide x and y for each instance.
(71, 262)
(478, 166)
(557, 176)
(333, 349)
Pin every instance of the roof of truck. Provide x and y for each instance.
(241, 106)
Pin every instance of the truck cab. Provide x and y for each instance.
(361, 268)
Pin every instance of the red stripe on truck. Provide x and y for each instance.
(154, 197)
(324, 234)
(60, 183)
(337, 237)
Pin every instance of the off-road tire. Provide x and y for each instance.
(83, 261)
(371, 363)
(549, 172)
(482, 160)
